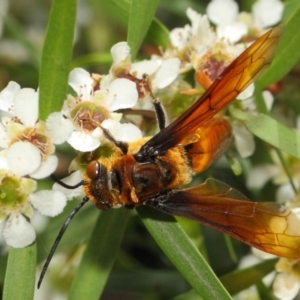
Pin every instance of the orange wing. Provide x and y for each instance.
(207, 143)
(235, 78)
(267, 226)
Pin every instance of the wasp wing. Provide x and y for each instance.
(235, 78)
(267, 226)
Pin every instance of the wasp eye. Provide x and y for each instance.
(93, 169)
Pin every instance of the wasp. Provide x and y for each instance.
(150, 170)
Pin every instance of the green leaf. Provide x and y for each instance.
(82, 223)
(140, 18)
(92, 59)
(183, 254)
(265, 292)
(119, 11)
(169, 283)
(99, 255)
(56, 57)
(271, 131)
(19, 280)
(239, 280)
(288, 49)
(158, 34)
(3, 263)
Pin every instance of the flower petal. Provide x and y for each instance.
(122, 94)
(48, 203)
(7, 96)
(60, 128)
(71, 180)
(233, 32)
(179, 37)
(268, 98)
(267, 12)
(143, 67)
(122, 132)
(286, 286)
(81, 82)
(4, 138)
(285, 193)
(247, 93)
(26, 106)
(222, 11)
(243, 139)
(83, 141)
(23, 158)
(260, 175)
(46, 168)
(3, 161)
(120, 52)
(167, 73)
(17, 232)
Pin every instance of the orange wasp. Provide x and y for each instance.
(150, 170)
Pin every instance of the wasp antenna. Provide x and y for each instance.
(58, 238)
(67, 186)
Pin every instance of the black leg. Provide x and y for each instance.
(160, 114)
(122, 145)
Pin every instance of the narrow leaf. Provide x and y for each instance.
(99, 255)
(288, 49)
(157, 34)
(241, 279)
(183, 254)
(271, 131)
(56, 57)
(19, 283)
(140, 18)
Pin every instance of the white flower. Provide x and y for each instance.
(26, 143)
(243, 139)
(94, 103)
(192, 41)
(27, 150)
(222, 11)
(258, 176)
(233, 26)
(17, 232)
(285, 193)
(286, 286)
(161, 72)
(267, 12)
(19, 197)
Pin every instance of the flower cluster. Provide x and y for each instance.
(27, 153)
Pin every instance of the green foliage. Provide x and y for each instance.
(20, 273)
